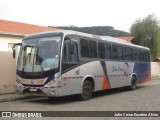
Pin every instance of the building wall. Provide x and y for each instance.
(7, 73)
(155, 69)
(5, 39)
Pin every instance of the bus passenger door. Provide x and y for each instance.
(70, 68)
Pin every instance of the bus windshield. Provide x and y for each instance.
(40, 54)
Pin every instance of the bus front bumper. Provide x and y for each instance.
(45, 90)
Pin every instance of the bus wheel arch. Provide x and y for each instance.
(88, 86)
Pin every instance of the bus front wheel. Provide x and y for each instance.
(86, 90)
(133, 83)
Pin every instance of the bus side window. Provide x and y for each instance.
(127, 53)
(65, 53)
(147, 56)
(70, 55)
(84, 48)
(136, 55)
(117, 52)
(104, 50)
(101, 50)
(143, 56)
(73, 56)
(107, 51)
(93, 49)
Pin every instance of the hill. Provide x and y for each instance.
(97, 30)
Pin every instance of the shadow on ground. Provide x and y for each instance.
(75, 98)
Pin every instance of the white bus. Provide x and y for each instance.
(67, 62)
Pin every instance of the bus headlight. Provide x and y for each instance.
(18, 82)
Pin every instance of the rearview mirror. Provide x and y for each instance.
(14, 53)
(13, 48)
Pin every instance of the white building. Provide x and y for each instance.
(14, 32)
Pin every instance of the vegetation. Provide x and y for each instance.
(146, 32)
(97, 30)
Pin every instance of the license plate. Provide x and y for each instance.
(33, 89)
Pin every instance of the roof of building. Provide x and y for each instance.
(17, 28)
(127, 38)
(157, 59)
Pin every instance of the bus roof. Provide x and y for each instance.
(104, 38)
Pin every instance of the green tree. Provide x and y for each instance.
(146, 33)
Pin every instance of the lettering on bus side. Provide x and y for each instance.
(120, 69)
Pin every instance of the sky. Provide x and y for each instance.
(120, 14)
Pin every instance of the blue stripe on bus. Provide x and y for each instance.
(142, 70)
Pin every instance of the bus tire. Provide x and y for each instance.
(51, 98)
(133, 85)
(86, 90)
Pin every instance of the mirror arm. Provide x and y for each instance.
(17, 44)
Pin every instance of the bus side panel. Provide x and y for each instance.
(106, 75)
(119, 73)
(95, 69)
(143, 71)
(72, 80)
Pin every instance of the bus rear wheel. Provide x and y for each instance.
(86, 90)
